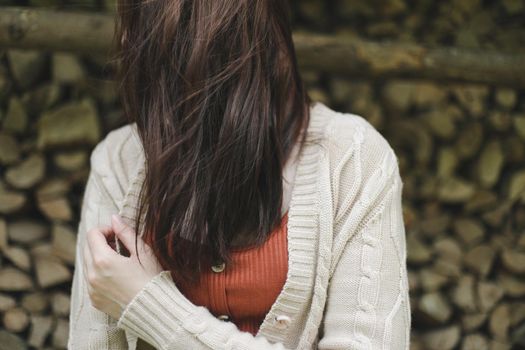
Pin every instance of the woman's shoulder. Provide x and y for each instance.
(116, 158)
(363, 170)
(348, 133)
(362, 163)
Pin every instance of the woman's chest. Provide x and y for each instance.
(244, 290)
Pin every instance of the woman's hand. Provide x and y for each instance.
(114, 280)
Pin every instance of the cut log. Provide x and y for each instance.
(93, 33)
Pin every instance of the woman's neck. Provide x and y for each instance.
(288, 178)
(289, 171)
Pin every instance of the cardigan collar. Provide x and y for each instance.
(303, 237)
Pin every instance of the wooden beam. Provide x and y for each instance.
(92, 33)
(384, 60)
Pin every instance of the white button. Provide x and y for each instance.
(370, 241)
(224, 317)
(366, 306)
(362, 340)
(218, 268)
(368, 272)
(195, 324)
(282, 321)
(232, 344)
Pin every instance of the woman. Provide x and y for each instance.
(249, 217)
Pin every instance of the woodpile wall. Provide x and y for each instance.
(461, 148)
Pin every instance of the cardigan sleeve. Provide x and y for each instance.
(368, 299)
(91, 328)
(161, 315)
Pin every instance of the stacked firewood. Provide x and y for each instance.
(49, 126)
(461, 147)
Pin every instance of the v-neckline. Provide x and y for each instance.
(302, 226)
(302, 233)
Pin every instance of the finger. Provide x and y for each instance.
(123, 232)
(97, 243)
(108, 232)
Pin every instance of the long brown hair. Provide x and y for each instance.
(215, 92)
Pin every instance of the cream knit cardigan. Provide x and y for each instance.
(347, 285)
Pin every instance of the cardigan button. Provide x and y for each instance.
(282, 321)
(231, 344)
(218, 268)
(195, 324)
(368, 272)
(366, 306)
(371, 241)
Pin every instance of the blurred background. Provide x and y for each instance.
(443, 81)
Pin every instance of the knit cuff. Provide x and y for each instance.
(158, 311)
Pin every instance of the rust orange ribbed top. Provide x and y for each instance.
(244, 291)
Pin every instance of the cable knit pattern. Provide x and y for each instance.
(346, 287)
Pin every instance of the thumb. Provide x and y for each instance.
(123, 232)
